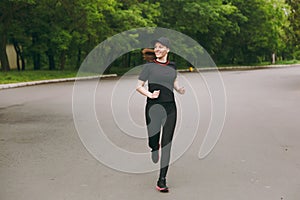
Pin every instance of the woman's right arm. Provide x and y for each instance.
(142, 90)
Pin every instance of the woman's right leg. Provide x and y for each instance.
(154, 114)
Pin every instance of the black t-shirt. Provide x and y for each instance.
(160, 76)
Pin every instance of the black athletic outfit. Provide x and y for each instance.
(160, 112)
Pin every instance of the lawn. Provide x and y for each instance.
(14, 76)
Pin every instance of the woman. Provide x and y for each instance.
(161, 109)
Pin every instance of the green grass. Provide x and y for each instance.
(286, 62)
(289, 62)
(14, 76)
(30, 75)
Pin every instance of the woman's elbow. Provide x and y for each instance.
(138, 88)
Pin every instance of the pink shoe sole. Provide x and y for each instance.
(162, 189)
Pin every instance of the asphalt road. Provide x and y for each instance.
(256, 157)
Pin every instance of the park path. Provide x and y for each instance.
(257, 156)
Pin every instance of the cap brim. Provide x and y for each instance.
(157, 40)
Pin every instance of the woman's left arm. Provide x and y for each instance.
(178, 89)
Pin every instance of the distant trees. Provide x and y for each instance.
(12, 13)
(262, 33)
(294, 31)
(233, 31)
(60, 33)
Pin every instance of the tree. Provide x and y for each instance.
(208, 22)
(11, 11)
(294, 29)
(65, 31)
(261, 34)
(131, 14)
(59, 33)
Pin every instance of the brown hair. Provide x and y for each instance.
(148, 54)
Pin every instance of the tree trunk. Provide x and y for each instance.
(62, 60)
(51, 59)
(78, 62)
(124, 60)
(20, 56)
(36, 61)
(3, 53)
(17, 61)
(36, 56)
(128, 59)
(23, 63)
(273, 58)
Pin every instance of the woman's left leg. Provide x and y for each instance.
(167, 137)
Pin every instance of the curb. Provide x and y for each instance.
(24, 84)
(240, 68)
(31, 83)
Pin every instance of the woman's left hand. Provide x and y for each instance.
(181, 90)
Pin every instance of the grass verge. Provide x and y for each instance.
(14, 76)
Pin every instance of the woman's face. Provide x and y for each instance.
(160, 50)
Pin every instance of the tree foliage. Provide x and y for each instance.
(294, 28)
(60, 33)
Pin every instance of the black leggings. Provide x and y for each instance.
(161, 115)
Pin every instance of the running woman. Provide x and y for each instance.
(160, 111)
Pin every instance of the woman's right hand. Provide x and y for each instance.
(141, 89)
(155, 94)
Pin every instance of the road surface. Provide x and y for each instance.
(256, 157)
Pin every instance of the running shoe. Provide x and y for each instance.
(161, 185)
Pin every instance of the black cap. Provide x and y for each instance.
(163, 40)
